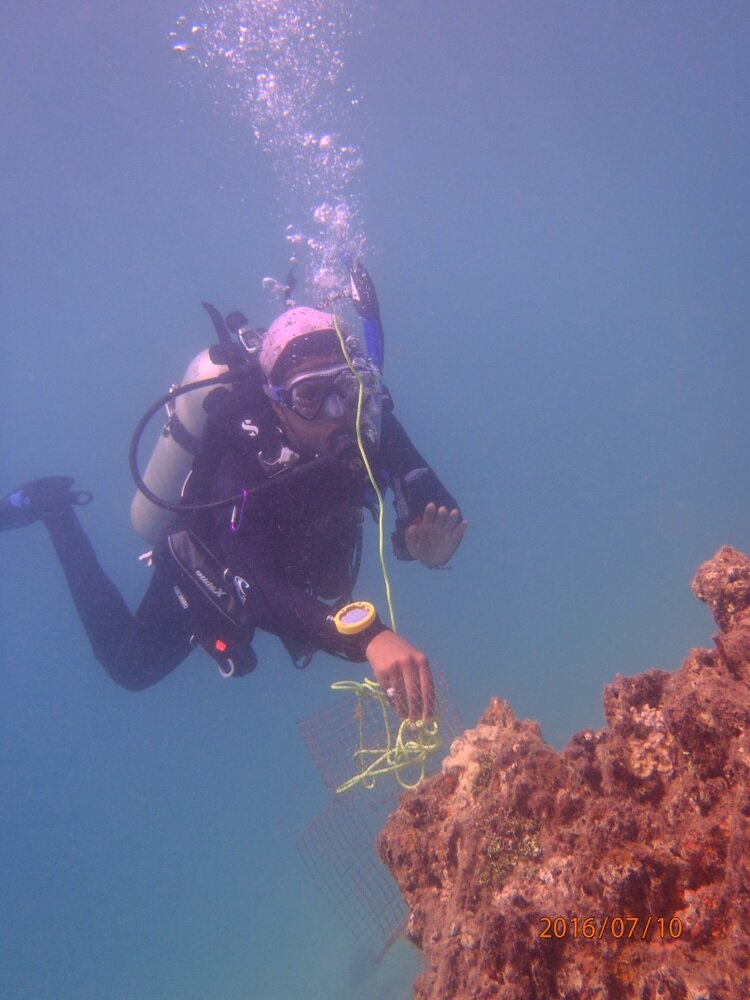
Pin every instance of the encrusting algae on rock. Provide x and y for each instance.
(617, 868)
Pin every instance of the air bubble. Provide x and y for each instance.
(294, 236)
(282, 59)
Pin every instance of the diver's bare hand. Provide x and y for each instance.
(403, 672)
(436, 535)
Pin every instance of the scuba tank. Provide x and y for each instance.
(172, 457)
(162, 484)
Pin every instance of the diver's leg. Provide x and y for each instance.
(158, 641)
(135, 650)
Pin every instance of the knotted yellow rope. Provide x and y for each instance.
(410, 747)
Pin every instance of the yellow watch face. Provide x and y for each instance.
(354, 618)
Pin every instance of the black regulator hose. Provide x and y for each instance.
(146, 419)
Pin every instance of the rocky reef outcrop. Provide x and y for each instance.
(617, 868)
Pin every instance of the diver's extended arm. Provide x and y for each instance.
(429, 524)
(286, 610)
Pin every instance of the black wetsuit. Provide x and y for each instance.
(293, 547)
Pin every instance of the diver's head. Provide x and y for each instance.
(311, 384)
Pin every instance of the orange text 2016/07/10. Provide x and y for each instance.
(612, 928)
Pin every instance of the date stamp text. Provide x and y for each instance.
(612, 928)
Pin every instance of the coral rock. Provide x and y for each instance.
(617, 868)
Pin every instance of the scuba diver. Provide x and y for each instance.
(253, 501)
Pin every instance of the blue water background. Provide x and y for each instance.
(556, 198)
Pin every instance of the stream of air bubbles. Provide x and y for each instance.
(282, 60)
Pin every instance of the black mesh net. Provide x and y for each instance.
(338, 848)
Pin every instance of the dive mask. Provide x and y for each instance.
(334, 393)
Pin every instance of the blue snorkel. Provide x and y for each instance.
(366, 303)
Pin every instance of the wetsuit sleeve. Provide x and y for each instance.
(414, 482)
(287, 611)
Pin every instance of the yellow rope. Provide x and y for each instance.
(373, 483)
(412, 745)
(414, 742)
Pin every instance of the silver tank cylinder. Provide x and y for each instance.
(170, 463)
